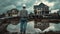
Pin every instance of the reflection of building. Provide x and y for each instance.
(41, 25)
(41, 9)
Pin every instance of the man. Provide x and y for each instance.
(23, 20)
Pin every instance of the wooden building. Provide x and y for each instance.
(40, 11)
(12, 12)
(12, 15)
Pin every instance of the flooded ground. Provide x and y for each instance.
(31, 30)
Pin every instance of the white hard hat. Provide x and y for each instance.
(24, 5)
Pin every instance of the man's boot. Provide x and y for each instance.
(21, 32)
(24, 32)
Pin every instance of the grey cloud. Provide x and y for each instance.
(56, 4)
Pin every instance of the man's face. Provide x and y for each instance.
(24, 7)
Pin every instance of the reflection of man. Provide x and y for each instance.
(23, 20)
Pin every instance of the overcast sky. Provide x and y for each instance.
(9, 4)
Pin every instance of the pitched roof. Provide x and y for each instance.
(40, 5)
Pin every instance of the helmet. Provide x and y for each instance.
(24, 6)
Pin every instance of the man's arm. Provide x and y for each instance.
(27, 13)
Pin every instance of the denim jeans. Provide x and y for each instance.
(23, 24)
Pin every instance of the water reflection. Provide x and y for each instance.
(31, 30)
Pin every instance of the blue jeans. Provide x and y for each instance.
(23, 24)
